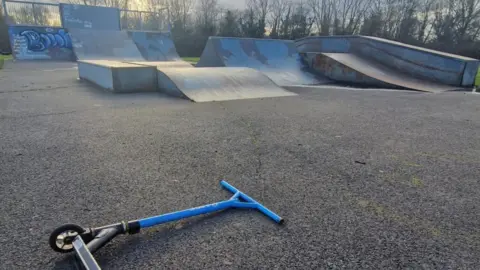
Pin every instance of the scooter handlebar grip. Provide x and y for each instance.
(269, 213)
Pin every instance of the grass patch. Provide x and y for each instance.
(192, 60)
(417, 182)
(5, 57)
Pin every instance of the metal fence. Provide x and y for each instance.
(30, 13)
(143, 20)
(47, 14)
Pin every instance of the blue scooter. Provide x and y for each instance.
(86, 241)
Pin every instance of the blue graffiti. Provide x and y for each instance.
(39, 42)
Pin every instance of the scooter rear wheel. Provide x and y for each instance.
(61, 239)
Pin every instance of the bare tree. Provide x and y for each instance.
(444, 22)
(391, 14)
(87, 2)
(122, 4)
(207, 15)
(4, 39)
(253, 20)
(261, 7)
(278, 9)
(451, 25)
(407, 21)
(153, 5)
(286, 21)
(323, 14)
(302, 21)
(425, 21)
(229, 25)
(348, 15)
(179, 11)
(108, 3)
(466, 13)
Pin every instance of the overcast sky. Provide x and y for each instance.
(240, 4)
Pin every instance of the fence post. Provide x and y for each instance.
(141, 21)
(4, 6)
(34, 15)
(159, 21)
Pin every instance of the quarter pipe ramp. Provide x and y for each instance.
(155, 46)
(350, 68)
(278, 59)
(103, 44)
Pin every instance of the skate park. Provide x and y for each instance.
(366, 147)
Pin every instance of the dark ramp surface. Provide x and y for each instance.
(103, 45)
(350, 68)
(278, 59)
(364, 179)
(155, 46)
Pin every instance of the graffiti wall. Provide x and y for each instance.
(40, 43)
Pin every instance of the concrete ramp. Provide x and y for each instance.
(350, 68)
(278, 59)
(103, 44)
(155, 46)
(118, 77)
(412, 61)
(195, 84)
(217, 84)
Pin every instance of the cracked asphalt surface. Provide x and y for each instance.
(365, 179)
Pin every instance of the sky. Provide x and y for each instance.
(240, 4)
(232, 4)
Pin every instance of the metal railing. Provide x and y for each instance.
(48, 14)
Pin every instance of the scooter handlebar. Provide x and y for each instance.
(269, 213)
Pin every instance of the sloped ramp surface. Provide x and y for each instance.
(348, 67)
(217, 84)
(103, 44)
(155, 46)
(163, 64)
(278, 59)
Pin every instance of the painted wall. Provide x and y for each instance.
(40, 43)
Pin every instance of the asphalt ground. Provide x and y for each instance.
(365, 179)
